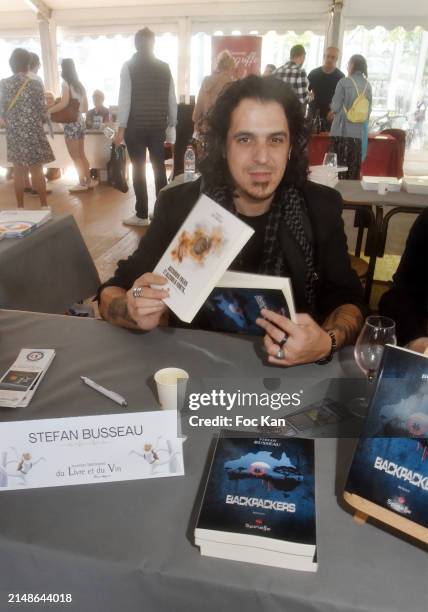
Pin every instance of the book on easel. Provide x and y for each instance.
(388, 478)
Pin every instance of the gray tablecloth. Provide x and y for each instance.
(128, 546)
(48, 270)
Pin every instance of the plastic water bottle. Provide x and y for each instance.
(189, 164)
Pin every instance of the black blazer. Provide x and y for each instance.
(407, 300)
(337, 283)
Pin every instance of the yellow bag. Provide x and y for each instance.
(359, 111)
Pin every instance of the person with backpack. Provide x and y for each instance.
(351, 106)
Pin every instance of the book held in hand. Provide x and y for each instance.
(19, 223)
(235, 303)
(203, 248)
(259, 502)
(388, 478)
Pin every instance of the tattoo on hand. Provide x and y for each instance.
(347, 320)
(118, 309)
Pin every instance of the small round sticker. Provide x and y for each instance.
(35, 356)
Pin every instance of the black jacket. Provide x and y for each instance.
(337, 283)
(407, 300)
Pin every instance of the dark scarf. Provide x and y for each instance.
(288, 206)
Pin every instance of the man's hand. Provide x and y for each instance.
(118, 137)
(420, 345)
(147, 310)
(307, 341)
(330, 116)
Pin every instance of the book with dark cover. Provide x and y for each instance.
(236, 310)
(260, 493)
(235, 303)
(390, 465)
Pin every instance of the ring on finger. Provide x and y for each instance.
(280, 354)
(283, 341)
(137, 292)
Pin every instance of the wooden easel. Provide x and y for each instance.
(363, 509)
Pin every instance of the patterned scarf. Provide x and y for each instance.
(288, 207)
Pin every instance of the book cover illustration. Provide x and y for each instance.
(263, 487)
(18, 223)
(399, 406)
(236, 309)
(203, 248)
(393, 473)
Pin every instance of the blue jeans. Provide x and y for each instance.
(137, 141)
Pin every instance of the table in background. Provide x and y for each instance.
(383, 154)
(129, 546)
(374, 205)
(97, 150)
(47, 270)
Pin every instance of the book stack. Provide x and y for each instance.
(20, 223)
(259, 502)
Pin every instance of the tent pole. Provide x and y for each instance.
(47, 31)
(184, 42)
(334, 35)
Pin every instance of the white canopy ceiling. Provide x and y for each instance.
(211, 15)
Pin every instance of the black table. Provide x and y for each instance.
(47, 270)
(128, 546)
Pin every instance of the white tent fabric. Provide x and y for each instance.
(211, 15)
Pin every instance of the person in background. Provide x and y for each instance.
(211, 88)
(74, 132)
(99, 114)
(256, 167)
(346, 136)
(22, 106)
(269, 69)
(322, 85)
(293, 74)
(34, 68)
(407, 300)
(147, 117)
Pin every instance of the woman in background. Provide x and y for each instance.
(74, 133)
(22, 107)
(346, 136)
(211, 88)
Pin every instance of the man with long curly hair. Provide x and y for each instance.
(256, 167)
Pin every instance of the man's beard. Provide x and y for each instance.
(255, 198)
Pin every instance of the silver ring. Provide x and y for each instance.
(280, 354)
(283, 341)
(137, 292)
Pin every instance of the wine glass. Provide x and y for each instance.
(376, 333)
(330, 159)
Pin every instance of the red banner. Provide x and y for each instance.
(245, 50)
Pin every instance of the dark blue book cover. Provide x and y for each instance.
(262, 486)
(393, 473)
(236, 309)
(399, 406)
(390, 465)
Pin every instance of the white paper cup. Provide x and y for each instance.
(382, 188)
(170, 383)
